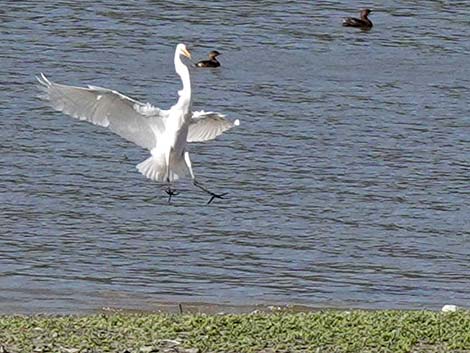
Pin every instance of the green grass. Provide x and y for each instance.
(323, 331)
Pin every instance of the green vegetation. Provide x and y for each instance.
(323, 331)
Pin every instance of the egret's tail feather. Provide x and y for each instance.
(155, 169)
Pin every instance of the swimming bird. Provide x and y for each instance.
(363, 22)
(165, 133)
(212, 62)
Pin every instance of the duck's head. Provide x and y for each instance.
(365, 12)
(213, 54)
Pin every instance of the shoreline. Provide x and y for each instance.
(178, 307)
(279, 330)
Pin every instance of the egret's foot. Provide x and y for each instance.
(216, 196)
(171, 192)
(213, 194)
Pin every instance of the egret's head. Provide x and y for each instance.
(182, 50)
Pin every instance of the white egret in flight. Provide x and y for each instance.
(164, 133)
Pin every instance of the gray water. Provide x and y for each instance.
(348, 178)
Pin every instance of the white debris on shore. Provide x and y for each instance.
(449, 308)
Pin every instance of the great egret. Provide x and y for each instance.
(363, 22)
(212, 62)
(164, 132)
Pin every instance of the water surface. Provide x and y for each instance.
(348, 178)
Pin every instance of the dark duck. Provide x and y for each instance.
(212, 62)
(363, 22)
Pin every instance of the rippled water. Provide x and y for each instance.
(348, 178)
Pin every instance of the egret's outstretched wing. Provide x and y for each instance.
(133, 120)
(206, 126)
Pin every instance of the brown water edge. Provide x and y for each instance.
(214, 309)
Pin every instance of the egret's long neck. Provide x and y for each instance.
(183, 72)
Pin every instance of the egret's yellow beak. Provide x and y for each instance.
(186, 53)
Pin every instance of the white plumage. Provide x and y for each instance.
(164, 133)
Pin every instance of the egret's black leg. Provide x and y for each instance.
(171, 192)
(213, 195)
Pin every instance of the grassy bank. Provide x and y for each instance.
(324, 331)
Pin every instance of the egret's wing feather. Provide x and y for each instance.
(206, 126)
(133, 120)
